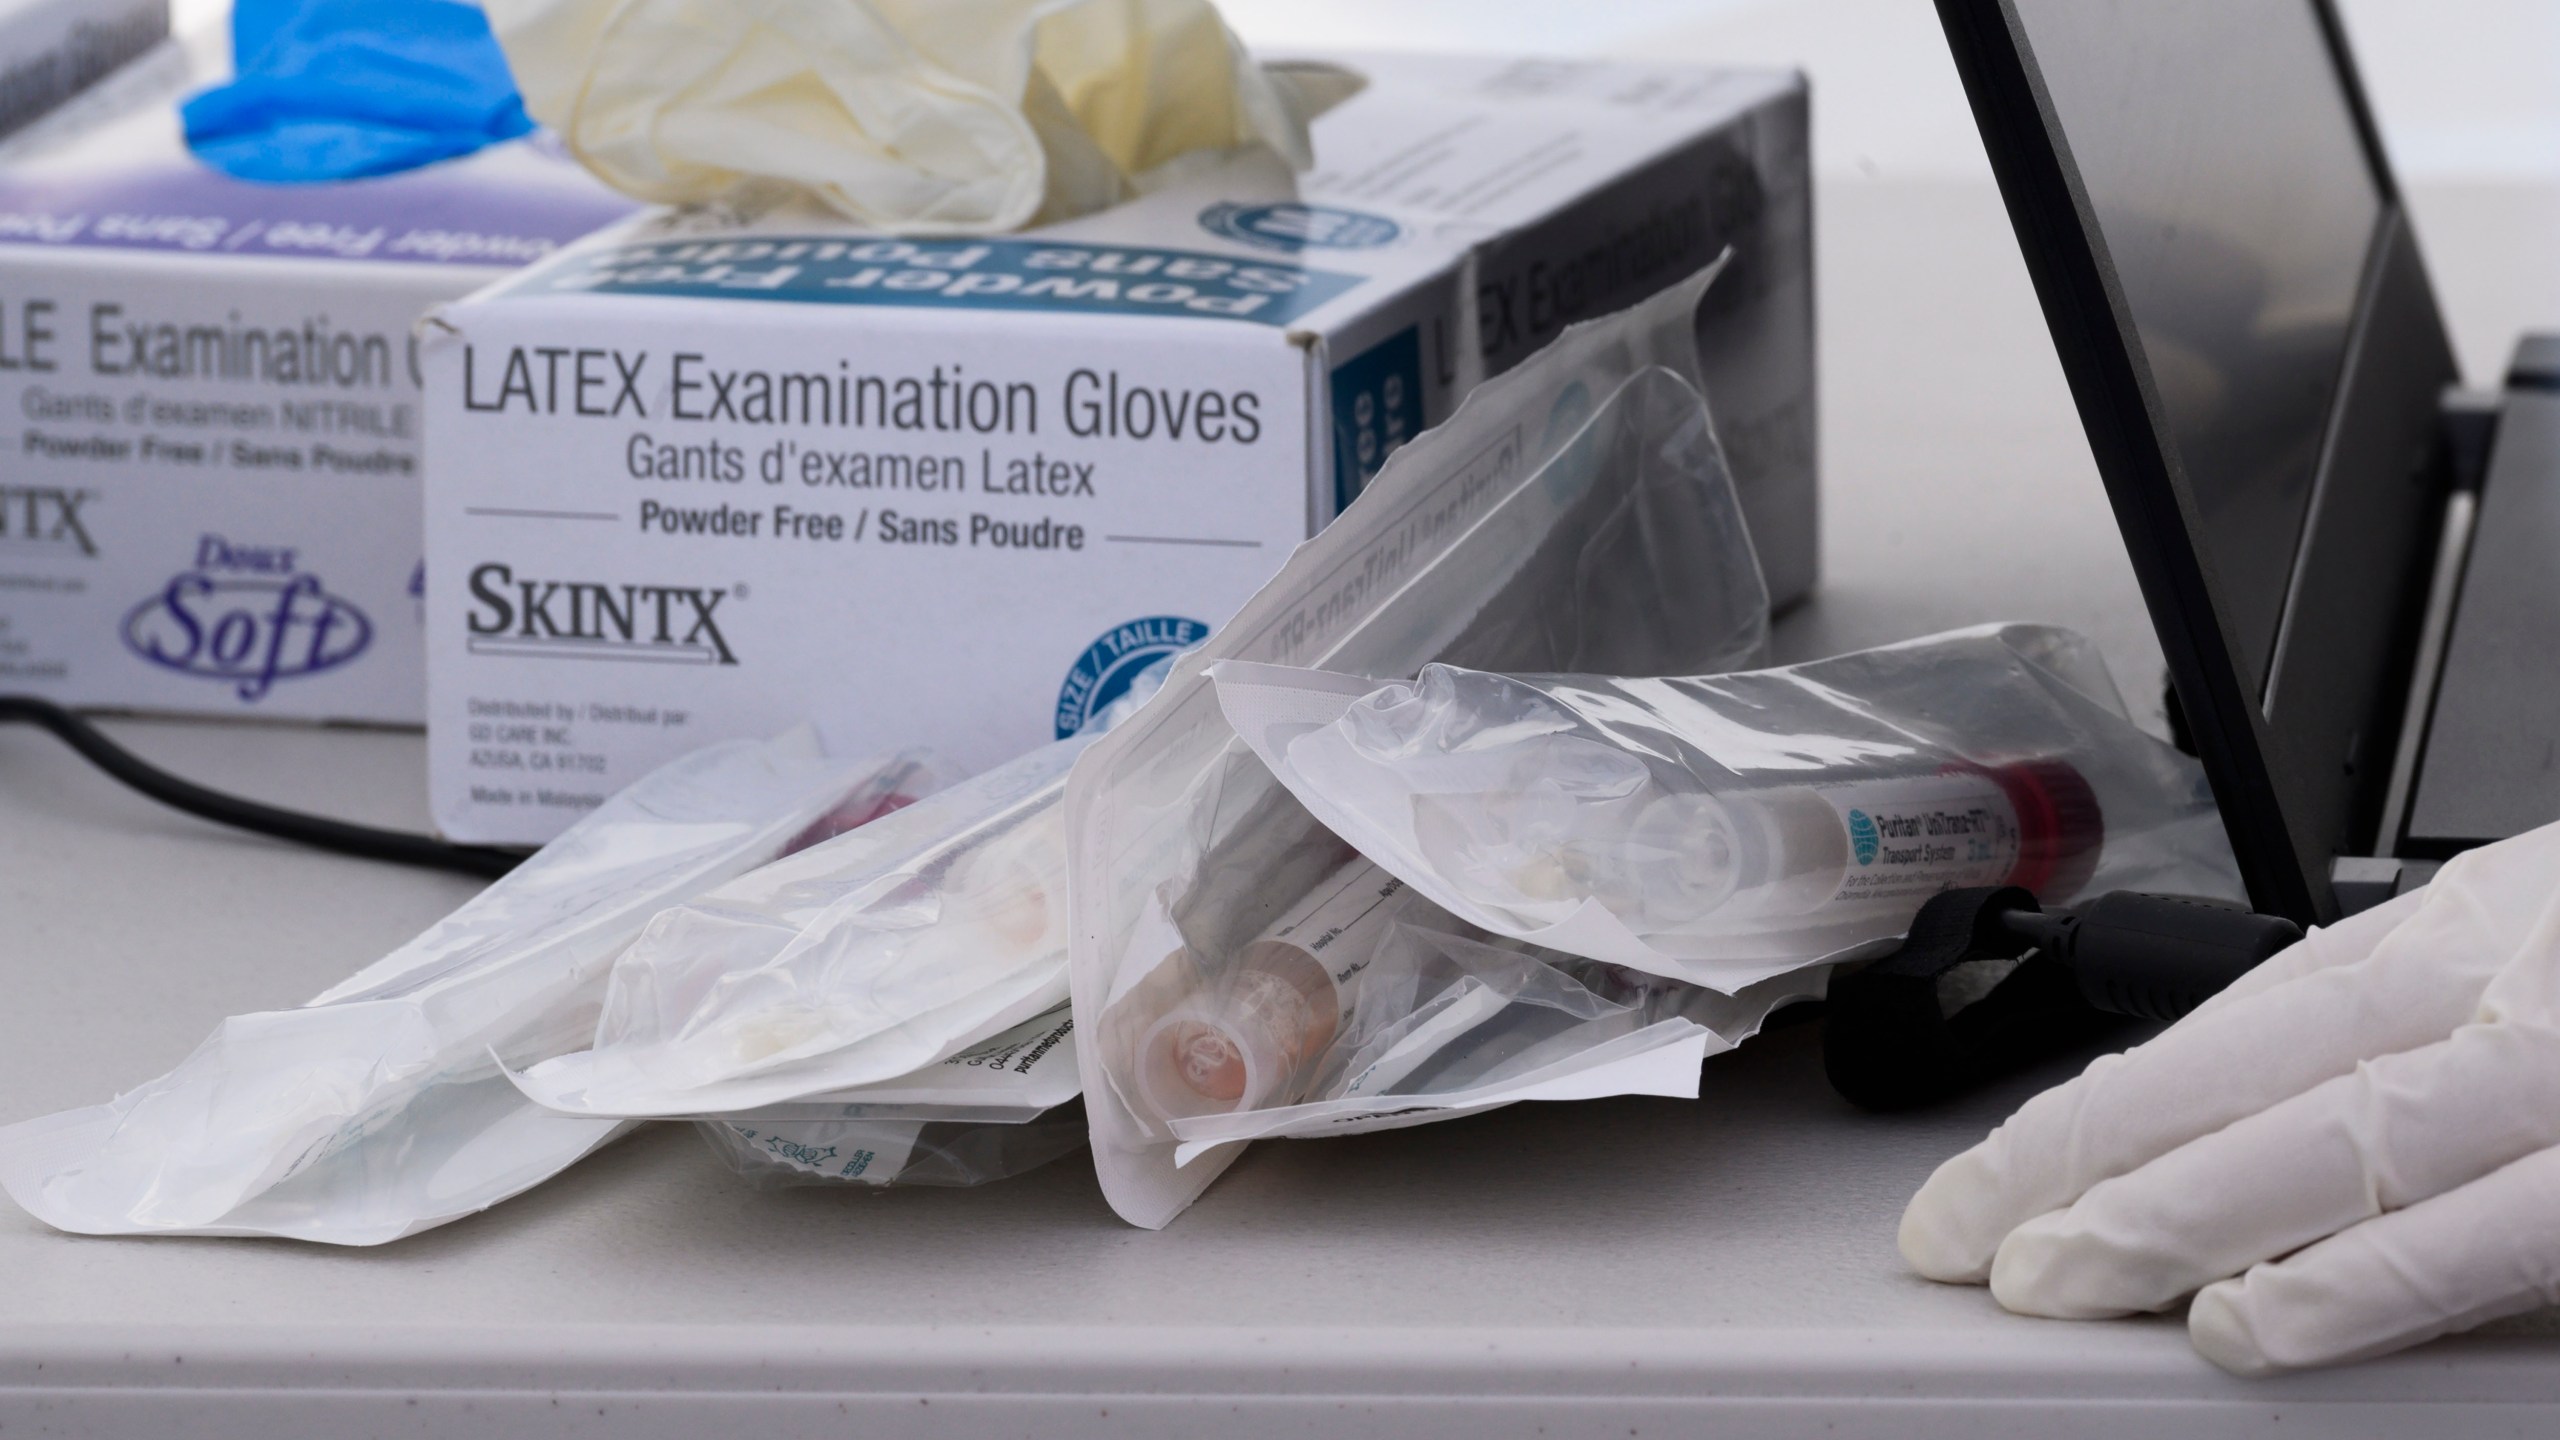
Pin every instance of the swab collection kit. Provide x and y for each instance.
(708, 472)
(210, 496)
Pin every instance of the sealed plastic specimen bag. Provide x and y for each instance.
(379, 1108)
(1729, 828)
(881, 1153)
(1010, 1078)
(1366, 1007)
(338, 89)
(850, 964)
(1573, 515)
(992, 1111)
(940, 115)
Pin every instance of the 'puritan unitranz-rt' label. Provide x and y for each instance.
(702, 477)
(210, 500)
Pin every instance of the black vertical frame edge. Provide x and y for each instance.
(2343, 56)
(2089, 323)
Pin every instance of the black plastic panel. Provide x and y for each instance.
(2337, 689)
(2492, 766)
(2298, 765)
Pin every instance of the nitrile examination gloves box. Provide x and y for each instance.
(707, 475)
(51, 50)
(210, 496)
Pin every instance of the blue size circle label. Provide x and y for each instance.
(1103, 672)
(1292, 227)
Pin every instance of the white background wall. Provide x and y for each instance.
(2467, 93)
(2465, 88)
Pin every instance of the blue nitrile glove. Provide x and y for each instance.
(336, 89)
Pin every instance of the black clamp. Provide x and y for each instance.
(1987, 982)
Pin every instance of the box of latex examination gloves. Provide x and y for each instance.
(51, 50)
(210, 496)
(708, 473)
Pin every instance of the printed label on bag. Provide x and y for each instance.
(1910, 839)
(867, 1152)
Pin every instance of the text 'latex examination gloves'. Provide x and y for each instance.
(341, 89)
(379, 1108)
(2353, 1149)
(954, 116)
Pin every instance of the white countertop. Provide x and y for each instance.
(1622, 1267)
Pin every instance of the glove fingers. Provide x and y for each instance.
(2415, 985)
(2472, 1255)
(2326, 947)
(2391, 1133)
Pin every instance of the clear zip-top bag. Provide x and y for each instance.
(1725, 829)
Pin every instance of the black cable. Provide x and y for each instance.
(397, 846)
(2153, 957)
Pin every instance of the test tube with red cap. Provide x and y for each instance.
(1858, 848)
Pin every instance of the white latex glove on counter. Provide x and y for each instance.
(2354, 1149)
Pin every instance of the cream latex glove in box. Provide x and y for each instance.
(2353, 1149)
(953, 116)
